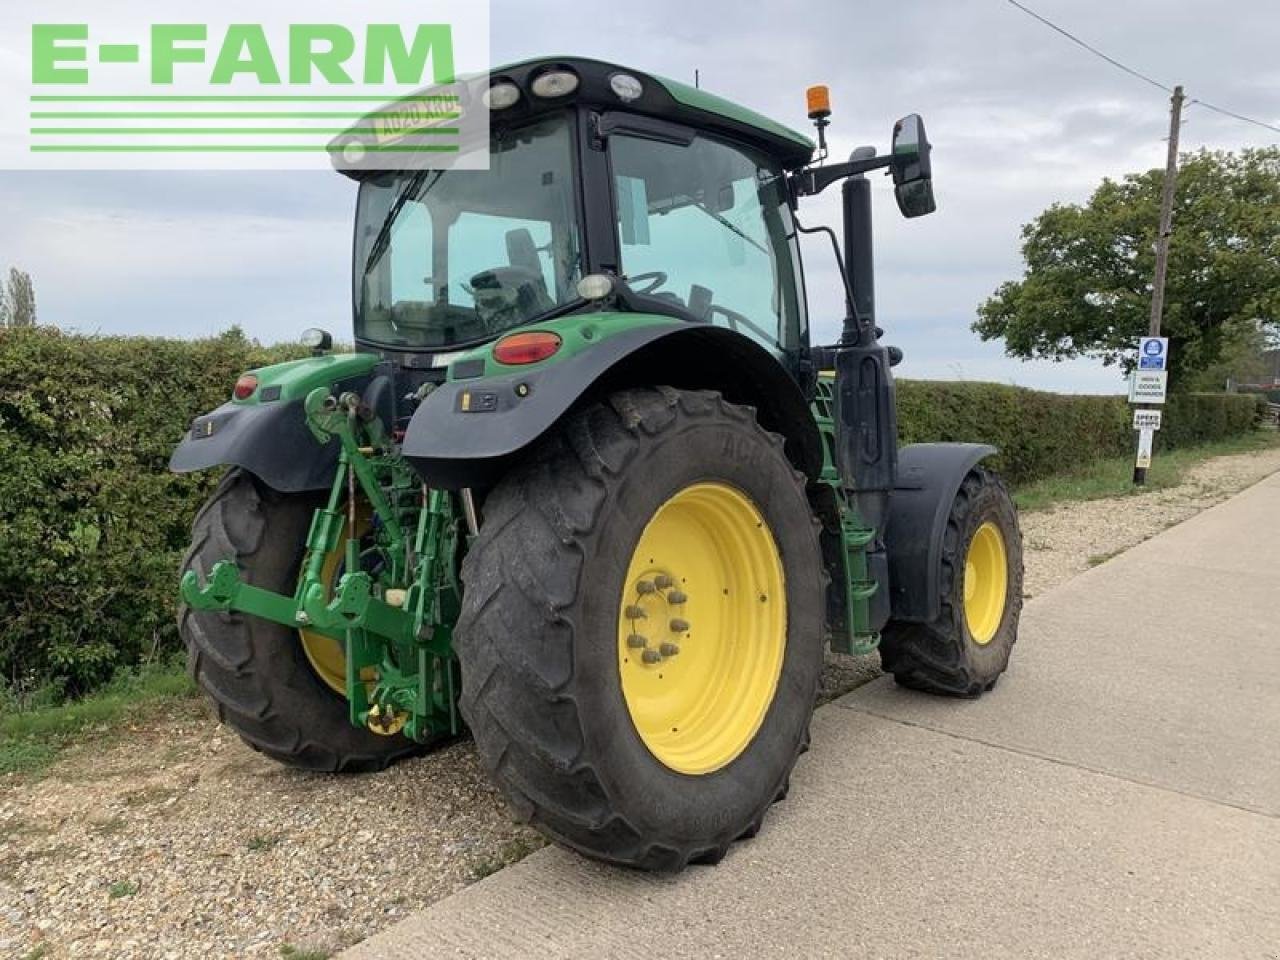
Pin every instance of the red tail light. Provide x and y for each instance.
(521, 348)
(245, 386)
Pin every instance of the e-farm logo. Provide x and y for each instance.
(321, 50)
(238, 91)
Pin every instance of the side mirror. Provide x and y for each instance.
(912, 171)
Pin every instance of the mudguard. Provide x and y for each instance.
(271, 442)
(929, 476)
(268, 435)
(466, 432)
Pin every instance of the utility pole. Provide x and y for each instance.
(1162, 267)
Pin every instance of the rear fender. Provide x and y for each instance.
(929, 477)
(470, 430)
(267, 433)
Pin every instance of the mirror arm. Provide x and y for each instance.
(813, 180)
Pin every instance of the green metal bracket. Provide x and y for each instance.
(855, 535)
(224, 590)
(394, 605)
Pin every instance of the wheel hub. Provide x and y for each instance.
(656, 624)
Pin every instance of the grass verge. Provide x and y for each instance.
(513, 851)
(31, 738)
(1113, 477)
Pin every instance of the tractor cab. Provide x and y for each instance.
(679, 197)
(673, 201)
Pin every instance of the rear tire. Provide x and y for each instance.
(543, 687)
(256, 671)
(945, 656)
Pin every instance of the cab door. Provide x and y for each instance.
(705, 223)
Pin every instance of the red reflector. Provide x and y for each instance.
(528, 347)
(245, 387)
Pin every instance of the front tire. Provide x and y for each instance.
(963, 651)
(686, 494)
(256, 672)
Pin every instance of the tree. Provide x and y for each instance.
(1243, 360)
(1087, 286)
(18, 300)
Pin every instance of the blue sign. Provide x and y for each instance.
(1153, 353)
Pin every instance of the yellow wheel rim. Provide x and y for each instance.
(702, 628)
(986, 583)
(327, 655)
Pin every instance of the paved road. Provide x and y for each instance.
(1118, 795)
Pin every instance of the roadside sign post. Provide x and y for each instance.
(1153, 350)
(1148, 384)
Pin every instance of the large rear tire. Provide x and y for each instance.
(963, 652)
(641, 632)
(255, 671)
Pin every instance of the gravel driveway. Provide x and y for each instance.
(173, 840)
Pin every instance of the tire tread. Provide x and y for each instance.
(542, 511)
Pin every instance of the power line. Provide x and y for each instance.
(1237, 116)
(1137, 73)
(1094, 50)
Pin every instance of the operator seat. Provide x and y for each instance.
(522, 252)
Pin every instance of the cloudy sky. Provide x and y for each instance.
(1019, 118)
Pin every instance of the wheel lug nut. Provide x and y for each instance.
(634, 612)
(646, 586)
(662, 581)
(679, 626)
(669, 649)
(676, 596)
(651, 656)
(636, 641)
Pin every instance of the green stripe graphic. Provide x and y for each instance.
(230, 148)
(238, 115)
(230, 131)
(243, 99)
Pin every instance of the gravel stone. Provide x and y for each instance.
(1072, 537)
(171, 838)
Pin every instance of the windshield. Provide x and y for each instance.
(447, 258)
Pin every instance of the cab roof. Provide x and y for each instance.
(661, 97)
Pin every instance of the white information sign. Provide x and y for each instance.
(1144, 448)
(1147, 419)
(1148, 386)
(1153, 353)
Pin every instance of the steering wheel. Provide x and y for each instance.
(655, 278)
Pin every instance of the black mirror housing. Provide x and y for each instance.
(915, 199)
(911, 167)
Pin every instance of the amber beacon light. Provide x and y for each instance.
(818, 99)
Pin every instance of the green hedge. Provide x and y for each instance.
(92, 524)
(1040, 434)
(1269, 394)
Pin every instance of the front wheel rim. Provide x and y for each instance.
(702, 628)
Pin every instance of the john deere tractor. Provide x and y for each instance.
(585, 488)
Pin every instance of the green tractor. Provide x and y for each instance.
(585, 488)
